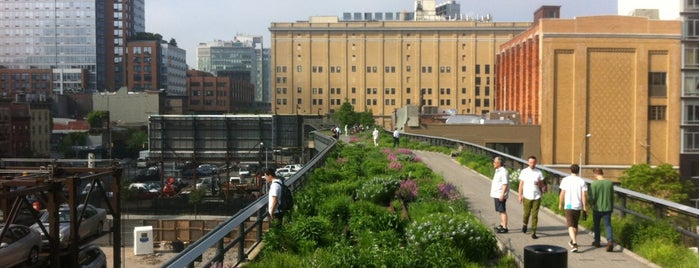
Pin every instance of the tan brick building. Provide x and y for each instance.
(616, 78)
(384, 65)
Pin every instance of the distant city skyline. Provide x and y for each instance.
(193, 22)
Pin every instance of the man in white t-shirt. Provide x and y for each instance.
(499, 190)
(276, 216)
(574, 197)
(531, 185)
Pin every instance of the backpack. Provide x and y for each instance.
(287, 198)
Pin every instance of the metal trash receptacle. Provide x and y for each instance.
(545, 256)
(177, 246)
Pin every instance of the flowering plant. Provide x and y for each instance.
(407, 190)
(448, 191)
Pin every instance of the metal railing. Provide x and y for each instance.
(685, 219)
(256, 212)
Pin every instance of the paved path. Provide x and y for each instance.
(551, 228)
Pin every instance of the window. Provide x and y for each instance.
(298, 90)
(407, 90)
(478, 69)
(463, 90)
(463, 68)
(656, 113)
(354, 68)
(407, 68)
(657, 84)
(691, 115)
(354, 90)
(299, 68)
(487, 69)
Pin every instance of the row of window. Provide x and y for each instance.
(387, 69)
(209, 93)
(209, 84)
(392, 91)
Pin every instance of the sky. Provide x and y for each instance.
(193, 22)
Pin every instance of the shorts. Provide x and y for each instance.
(500, 206)
(572, 217)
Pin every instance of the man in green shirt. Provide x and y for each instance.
(602, 197)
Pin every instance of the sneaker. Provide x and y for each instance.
(596, 244)
(524, 228)
(503, 230)
(497, 228)
(570, 243)
(534, 236)
(610, 246)
(575, 248)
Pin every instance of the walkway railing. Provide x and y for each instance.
(684, 218)
(256, 212)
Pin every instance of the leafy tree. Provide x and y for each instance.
(70, 140)
(346, 115)
(96, 119)
(147, 36)
(136, 141)
(366, 118)
(173, 42)
(662, 181)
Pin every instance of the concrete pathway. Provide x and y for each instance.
(551, 228)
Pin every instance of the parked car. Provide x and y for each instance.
(20, 244)
(294, 167)
(92, 256)
(207, 169)
(143, 190)
(284, 172)
(92, 223)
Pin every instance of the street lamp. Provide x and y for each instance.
(582, 144)
(262, 147)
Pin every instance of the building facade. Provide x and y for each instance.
(243, 54)
(380, 66)
(156, 65)
(15, 125)
(604, 89)
(76, 37)
(689, 146)
(40, 126)
(226, 93)
(128, 108)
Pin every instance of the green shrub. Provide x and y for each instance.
(337, 210)
(378, 190)
(463, 232)
(427, 208)
(665, 253)
(635, 232)
(277, 260)
(315, 229)
(365, 215)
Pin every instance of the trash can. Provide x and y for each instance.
(177, 246)
(545, 256)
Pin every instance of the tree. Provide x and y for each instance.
(662, 181)
(70, 140)
(173, 42)
(346, 115)
(136, 141)
(366, 118)
(96, 119)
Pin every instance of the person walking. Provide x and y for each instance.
(499, 190)
(375, 136)
(602, 199)
(574, 197)
(396, 137)
(531, 185)
(276, 216)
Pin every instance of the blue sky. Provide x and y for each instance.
(192, 22)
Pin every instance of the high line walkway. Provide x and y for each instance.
(551, 229)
